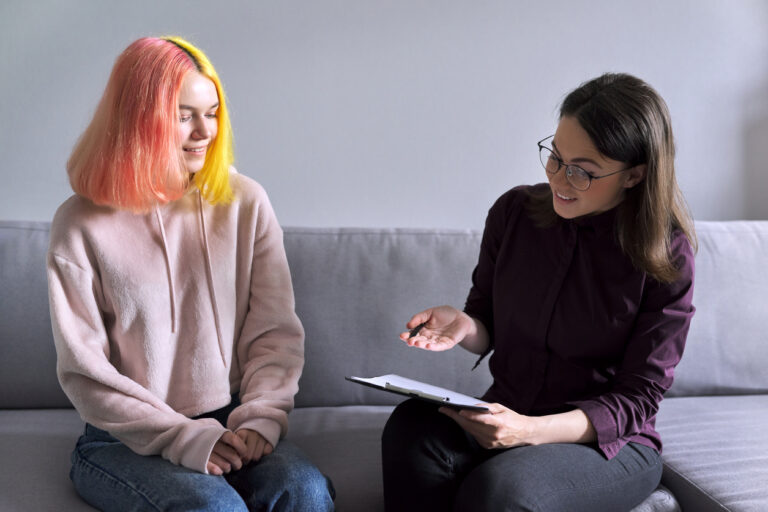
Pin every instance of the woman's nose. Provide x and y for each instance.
(559, 177)
(201, 130)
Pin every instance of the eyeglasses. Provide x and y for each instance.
(576, 176)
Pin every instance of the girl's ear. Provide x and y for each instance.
(635, 175)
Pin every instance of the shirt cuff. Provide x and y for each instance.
(603, 422)
(195, 454)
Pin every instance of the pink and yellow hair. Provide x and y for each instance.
(129, 155)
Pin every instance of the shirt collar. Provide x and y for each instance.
(600, 222)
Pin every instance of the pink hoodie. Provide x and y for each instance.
(162, 316)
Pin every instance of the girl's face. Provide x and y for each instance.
(198, 125)
(573, 145)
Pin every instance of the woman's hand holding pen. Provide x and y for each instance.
(443, 327)
(439, 328)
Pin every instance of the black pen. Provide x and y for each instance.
(416, 330)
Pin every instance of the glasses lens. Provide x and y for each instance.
(577, 177)
(548, 160)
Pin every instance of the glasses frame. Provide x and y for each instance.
(569, 168)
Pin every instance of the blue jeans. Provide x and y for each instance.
(110, 476)
(432, 464)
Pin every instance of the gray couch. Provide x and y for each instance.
(355, 288)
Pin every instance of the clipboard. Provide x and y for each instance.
(415, 389)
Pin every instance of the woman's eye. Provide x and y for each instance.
(184, 119)
(211, 116)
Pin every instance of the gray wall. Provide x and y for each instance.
(406, 113)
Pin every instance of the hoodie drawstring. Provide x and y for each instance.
(168, 268)
(209, 274)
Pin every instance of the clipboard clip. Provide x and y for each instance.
(416, 393)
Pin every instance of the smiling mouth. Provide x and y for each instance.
(196, 151)
(564, 198)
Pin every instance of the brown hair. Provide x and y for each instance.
(628, 121)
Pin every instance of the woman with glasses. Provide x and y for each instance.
(582, 293)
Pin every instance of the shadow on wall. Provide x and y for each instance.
(756, 154)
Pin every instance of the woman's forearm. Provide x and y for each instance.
(477, 338)
(568, 427)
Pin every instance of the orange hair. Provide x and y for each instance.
(128, 157)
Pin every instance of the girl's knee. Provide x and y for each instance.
(114, 478)
(304, 488)
(316, 491)
(220, 496)
(285, 480)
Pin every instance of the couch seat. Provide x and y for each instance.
(717, 443)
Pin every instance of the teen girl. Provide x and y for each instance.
(172, 304)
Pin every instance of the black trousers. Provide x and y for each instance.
(430, 463)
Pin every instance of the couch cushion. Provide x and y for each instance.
(356, 289)
(716, 451)
(345, 444)
(27, 354)
(35, 446)
(726, 348)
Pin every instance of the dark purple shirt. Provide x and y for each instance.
(573, 324)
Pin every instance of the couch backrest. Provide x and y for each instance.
(727, 347)
(27, 355)
(355, 289)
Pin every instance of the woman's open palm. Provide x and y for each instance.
(444, 327)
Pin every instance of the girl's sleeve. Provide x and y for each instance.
(104, 397)
(270, 349)
(652, 352)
